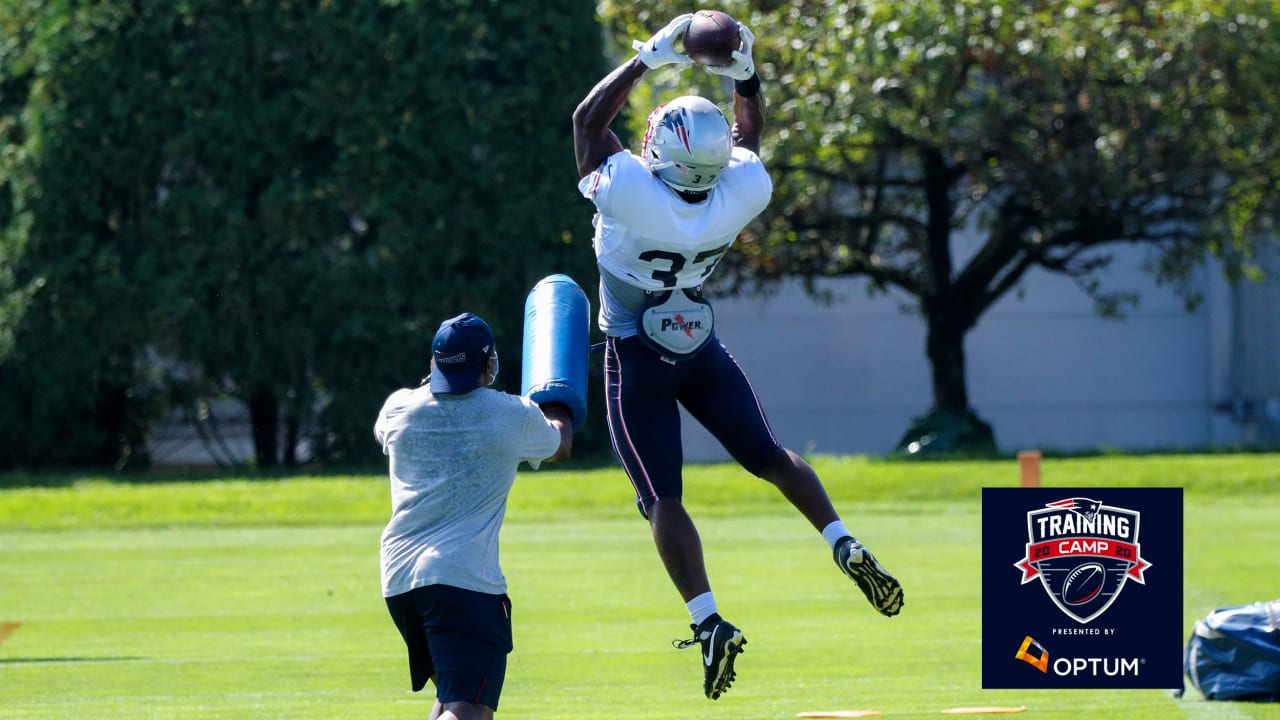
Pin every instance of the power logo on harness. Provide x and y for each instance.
(1081, 588)
(1083, 552)
(679, 324)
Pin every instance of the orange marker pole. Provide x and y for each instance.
(7, 629)
(1029, 465)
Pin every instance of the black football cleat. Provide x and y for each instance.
(720, 642)
(882, 589)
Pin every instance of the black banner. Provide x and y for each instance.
(1082, 588)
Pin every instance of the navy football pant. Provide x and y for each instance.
(641, 394)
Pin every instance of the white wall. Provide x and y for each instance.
(1044, 369)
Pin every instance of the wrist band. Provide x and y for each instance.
(748, 87)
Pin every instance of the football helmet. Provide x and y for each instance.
(687, 144)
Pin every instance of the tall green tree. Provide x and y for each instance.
(290, 197)
(73, 318)
(1051, 130)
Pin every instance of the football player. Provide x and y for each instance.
(664, 219)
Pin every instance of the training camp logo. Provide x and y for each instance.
(1083, 552)
(1065, 615)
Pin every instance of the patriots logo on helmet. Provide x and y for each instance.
(673, 120)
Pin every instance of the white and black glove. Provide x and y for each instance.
(741, 67)
(660, 49)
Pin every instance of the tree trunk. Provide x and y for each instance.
(118, 438)
(264, 417)
(950, 428)
(291, 440)
(945, 348)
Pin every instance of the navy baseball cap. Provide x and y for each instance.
(461, 350)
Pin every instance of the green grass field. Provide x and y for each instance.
(260, 598)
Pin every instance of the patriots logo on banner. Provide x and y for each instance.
(1084, 507)
(1083, 552)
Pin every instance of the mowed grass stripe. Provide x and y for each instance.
(233, 615)
(68, 502)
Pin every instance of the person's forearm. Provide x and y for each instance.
(558, 414)
(598, 109)
(593, 141)
(748, 118)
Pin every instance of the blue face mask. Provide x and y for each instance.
(494, 378)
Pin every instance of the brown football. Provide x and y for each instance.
(711, 38)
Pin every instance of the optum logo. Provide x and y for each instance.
(1094, 667)
(1076, 667)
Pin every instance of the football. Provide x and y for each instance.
(711, 38)
(1083, 584)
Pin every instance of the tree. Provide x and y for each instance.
(275, 202)
(1053, 130)
(75, 381)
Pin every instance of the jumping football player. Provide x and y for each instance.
(664, 219)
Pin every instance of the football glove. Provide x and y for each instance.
(660, 49)
(741, 67)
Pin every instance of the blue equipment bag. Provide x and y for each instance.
(1234, 653)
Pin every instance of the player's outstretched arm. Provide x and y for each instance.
(748, 100)
(593, 141)
(748, 117)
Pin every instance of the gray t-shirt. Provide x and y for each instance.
(453, 460)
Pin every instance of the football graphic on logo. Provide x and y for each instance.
(1083, 583)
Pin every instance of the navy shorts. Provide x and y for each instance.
(457, 638)
(641, 395)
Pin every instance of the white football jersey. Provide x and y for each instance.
(648, 238)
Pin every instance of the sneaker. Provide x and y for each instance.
(721, 642)
(883, 590)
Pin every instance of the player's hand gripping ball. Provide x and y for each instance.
(712, 38)
(660, 50)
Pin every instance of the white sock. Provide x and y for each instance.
(701, 607)
(833, 532)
